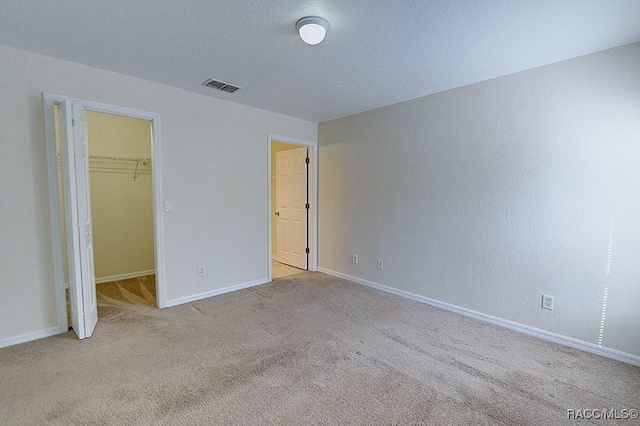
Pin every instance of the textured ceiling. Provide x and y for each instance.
(377, 52)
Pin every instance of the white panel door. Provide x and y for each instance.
(77, 204)
(291, 200)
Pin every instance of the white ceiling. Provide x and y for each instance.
(377, 52)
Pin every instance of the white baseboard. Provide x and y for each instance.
(124, 276)
(47, 332)
(195, 297)
(532, 331)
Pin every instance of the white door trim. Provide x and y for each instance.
(49, 100)
(312, 228)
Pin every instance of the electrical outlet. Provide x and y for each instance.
(201, 270)
(354, 259)
(380, 264)
(547, 302)
(168, 206)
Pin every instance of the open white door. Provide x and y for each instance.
(291, 201)
(77, 205)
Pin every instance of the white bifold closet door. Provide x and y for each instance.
(77, 206)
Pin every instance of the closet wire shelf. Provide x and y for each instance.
(120, 165)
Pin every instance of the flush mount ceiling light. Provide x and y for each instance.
(312, 29)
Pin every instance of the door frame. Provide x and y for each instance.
(51, 99)
(312, 184)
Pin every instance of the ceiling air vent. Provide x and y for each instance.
(220, 85)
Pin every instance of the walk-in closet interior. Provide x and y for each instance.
(121, 191)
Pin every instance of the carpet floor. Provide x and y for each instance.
(304, 349)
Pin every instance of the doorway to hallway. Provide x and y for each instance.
(292, 207)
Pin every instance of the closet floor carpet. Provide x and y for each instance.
(305, 349)
(115, 297)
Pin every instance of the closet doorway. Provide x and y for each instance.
(124, 224)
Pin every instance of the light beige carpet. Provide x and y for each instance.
(305, 349)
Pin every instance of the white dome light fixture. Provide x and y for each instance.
(312, 29)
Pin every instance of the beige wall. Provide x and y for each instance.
(493, 194)
(218, 189)
(122, 209)
(275, 148)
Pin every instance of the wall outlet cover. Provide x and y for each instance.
(547, 302)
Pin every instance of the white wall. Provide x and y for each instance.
(121, 207)
(490, 195)
(215, 172)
